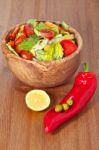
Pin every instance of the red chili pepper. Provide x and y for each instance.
(20, 39)
(81, 93)
(68, 46)
(28, 30)
(13, 34)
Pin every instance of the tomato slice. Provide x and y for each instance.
(26, 55)
(12, 43)
(17, 49)
(28, 30)
(47, 33)
(20, 39)
(68, 46)
(13, 34)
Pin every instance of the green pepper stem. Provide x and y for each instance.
(86, 67)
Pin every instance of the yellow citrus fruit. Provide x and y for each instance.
(37, 100)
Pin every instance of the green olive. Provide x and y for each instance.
(65, 106)
(70, 102)
(58, 108)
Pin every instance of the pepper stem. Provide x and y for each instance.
(86, 67)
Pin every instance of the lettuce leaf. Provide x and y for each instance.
(58, 51)
(33, 22)
(39, 46)
(37, 32)
(41, 26)
(42, 55)
(55, 29)
(11, 49)
(56, 39)
(54, 52)
(64, 25)
(69, 36)
(29, 42)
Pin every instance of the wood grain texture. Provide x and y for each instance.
(21, 129)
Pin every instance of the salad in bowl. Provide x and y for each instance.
(42, 41)
(42, 53)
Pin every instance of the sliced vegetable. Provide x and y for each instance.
(20, 39)
(69, 36)
(26, 55)
(29, 42)
(17, 49)
(64, 25)
(58, 51)
(21, 28)
(46, 47)
(28, 30)
(40, 45)
(33, 22)
(56, 29)
(65, 106)
(37, 32)
(58, 108)
(56, 39)
(70, 102)
(11, 49)
(12, 35)
(11, 43)
(41, 26)
(42, 55)
(68, 46)
(49, 24)
(46, 33)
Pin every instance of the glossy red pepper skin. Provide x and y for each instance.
(81, 93)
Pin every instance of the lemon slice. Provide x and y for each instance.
(37, 100)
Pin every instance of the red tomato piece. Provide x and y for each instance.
(12, 43)
(26, 55)
(17, 49)
(20, 39)
(12, 35)
(28, 30)
(68, 46)
(47, 33)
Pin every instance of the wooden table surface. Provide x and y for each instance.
(22, 129)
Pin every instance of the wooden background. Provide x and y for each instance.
(21, 129)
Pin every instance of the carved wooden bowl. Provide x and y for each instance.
(43, 74)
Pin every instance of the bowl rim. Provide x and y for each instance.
(70, 29)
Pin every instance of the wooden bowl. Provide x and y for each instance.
(43, 74)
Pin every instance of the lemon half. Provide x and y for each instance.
(37, 100)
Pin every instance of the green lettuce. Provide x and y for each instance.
(33, 22)
(55, 29)
(11, 49)
(42, 55)
(41, 26)
(56, 39)
(64, 25)
(58, 51)
(54, 52)
(29, 42)
(69, 36)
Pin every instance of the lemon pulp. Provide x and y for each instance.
(37, 100)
